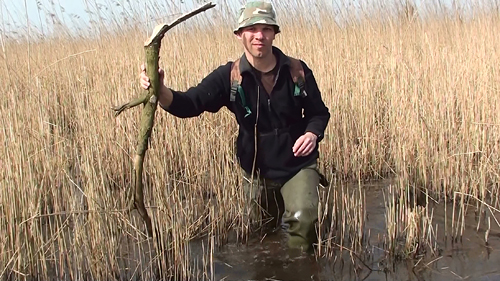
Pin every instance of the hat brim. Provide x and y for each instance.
(250, 23)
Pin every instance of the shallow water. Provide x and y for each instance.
(268, 259)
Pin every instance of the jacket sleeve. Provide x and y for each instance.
(315, 111)
(209, 95)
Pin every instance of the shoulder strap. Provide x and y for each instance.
(298, 76)
(236, 86)
(235, 79)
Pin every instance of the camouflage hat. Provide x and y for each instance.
(257, 12)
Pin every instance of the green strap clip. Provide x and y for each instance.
(243, 101)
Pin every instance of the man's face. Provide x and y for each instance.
(257, 39)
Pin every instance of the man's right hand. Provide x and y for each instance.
(165, 95)
(144, 79)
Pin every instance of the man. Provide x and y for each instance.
(284, 127)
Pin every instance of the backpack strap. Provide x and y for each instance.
(236, 86)
(298, 76)
(235, 79)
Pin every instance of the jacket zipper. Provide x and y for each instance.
(274, 85)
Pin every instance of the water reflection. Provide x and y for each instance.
(269, 259)
(266, 260)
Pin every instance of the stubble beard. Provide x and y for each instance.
(259, 54)
(256, 53)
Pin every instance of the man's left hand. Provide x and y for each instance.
(305, 144)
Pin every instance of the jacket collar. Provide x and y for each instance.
(282, 60)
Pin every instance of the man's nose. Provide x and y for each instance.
(259, 34)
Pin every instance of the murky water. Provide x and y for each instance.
(268, 259)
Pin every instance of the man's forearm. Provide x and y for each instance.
(165, 97)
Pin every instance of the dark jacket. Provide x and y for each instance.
(282, 117)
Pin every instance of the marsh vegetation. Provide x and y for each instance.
(413, 98)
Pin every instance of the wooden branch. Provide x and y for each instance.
(130, 104)
(150, 102)
(160, 30)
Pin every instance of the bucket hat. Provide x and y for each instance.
(257, 12)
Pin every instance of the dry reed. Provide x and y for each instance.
(410, 98)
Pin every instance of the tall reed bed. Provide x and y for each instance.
(410, 98)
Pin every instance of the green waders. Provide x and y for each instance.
(295, 202)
